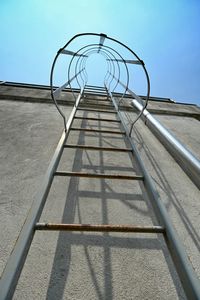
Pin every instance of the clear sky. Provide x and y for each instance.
(165, 34)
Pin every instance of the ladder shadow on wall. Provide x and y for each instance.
(171, 200)
(163, 183)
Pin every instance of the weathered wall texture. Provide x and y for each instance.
(94, 265)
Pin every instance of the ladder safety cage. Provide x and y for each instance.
(77, 73)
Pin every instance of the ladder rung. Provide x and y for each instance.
(88, 147)
(102, 106)
(96, 94)
(96, 91)
(95, 87)
(97, 130)
(95, 175)
(97, 119)
(97, 110)
(92, 99)
(99, 227)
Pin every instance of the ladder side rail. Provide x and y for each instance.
(15, 263)
(187, 275)
(139, 99)
(57, 92)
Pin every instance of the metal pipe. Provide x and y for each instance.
(188, 162)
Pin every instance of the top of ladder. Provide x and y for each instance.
(120, 61)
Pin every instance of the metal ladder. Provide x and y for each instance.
(110, 111)
(107, 105)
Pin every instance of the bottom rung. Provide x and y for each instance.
(99, 227)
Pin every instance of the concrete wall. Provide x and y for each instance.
(93, 265)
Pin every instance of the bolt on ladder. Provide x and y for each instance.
(110, 108)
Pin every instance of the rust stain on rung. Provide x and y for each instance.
(94, 175)
(97, 119)
(91, 99)
(97, 110)
(97, 130)
(99, 227)
(88, 147)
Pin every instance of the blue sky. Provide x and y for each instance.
(165, 34)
